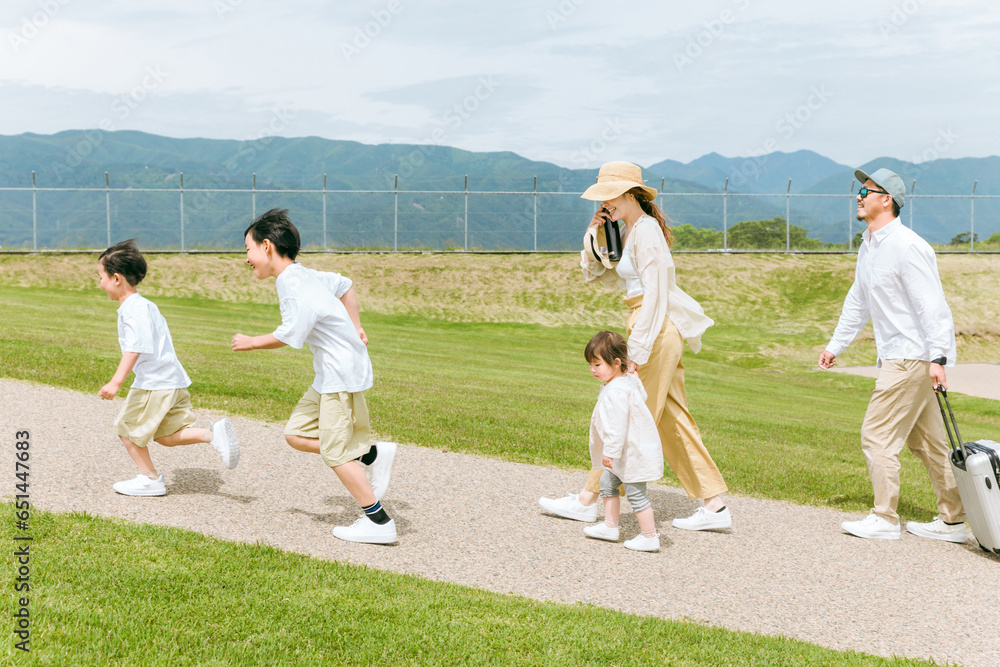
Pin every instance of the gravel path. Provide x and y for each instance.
(783, 569)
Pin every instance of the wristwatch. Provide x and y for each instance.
(940, 360)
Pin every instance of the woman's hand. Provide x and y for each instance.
(600, 217)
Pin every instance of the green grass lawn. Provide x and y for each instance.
(513, 391)
(110, 592)
(518, 391)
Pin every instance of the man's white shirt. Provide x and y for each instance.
(896, 286)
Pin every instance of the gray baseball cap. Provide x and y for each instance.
(888, 181)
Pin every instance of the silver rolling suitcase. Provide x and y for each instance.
(977, 473)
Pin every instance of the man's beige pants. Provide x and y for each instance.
(663, 379)
(903, 410)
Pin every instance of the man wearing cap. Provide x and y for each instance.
(896, 285)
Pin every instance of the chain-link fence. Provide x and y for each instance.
(201, 219)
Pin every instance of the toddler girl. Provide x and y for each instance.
(623, 440)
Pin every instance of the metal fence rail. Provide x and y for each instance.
(192, 219)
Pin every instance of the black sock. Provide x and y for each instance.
(957, 523)
(368, 458)
(720, 509)
(376, 513)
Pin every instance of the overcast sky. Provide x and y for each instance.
(575, 82)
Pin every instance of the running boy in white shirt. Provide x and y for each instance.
(624, 441)
(158, 406)
(320, 308)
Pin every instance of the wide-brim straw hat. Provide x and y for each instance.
(595, 246)
(617, 178)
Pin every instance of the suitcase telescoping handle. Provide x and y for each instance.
(940, 393)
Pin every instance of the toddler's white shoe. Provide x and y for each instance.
(602, 531)
(642, 543)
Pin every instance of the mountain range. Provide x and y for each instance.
(80, 158)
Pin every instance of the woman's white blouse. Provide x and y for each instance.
(647, 268)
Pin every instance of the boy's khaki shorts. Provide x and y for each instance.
(338, 420)
(149, 414)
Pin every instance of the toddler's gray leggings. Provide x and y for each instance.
(634, 491)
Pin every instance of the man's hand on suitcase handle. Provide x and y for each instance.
(938, 376)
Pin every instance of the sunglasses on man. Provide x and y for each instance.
(864, 192)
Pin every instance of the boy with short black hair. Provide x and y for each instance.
(320, 308)
(158, 406)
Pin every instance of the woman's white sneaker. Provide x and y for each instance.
(570, 507)
(703, 519)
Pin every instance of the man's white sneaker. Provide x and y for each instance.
(642, 543)
(142, 486)
(224, 441)
(872, 527)
(702, 519)
(570, 507)
(602, 531)
(367, 531)
(380, 469)
(939, 530)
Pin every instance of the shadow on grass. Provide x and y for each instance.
(190, 481)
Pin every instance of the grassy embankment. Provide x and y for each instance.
(481, 354)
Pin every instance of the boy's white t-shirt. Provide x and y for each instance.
(142, 329)
(313, 314)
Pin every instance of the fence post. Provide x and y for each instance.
(534, 202)
(395, 215)
(466, 219)
(972, 218)
(912, 186)
(107, 204)
(253, 198)
(788, 217)
(182, 211)
(324, 213)
(850, 217)
(34, 214)
(725, 215)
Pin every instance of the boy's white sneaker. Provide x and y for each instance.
(224, 441)
(703, 519)
(142, 486)
(642, 543)
(939, 530)
(570, 507)
(380, 469)
(872, 527)
(367, 531)
(602, 531)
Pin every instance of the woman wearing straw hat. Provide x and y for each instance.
(661, 318)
